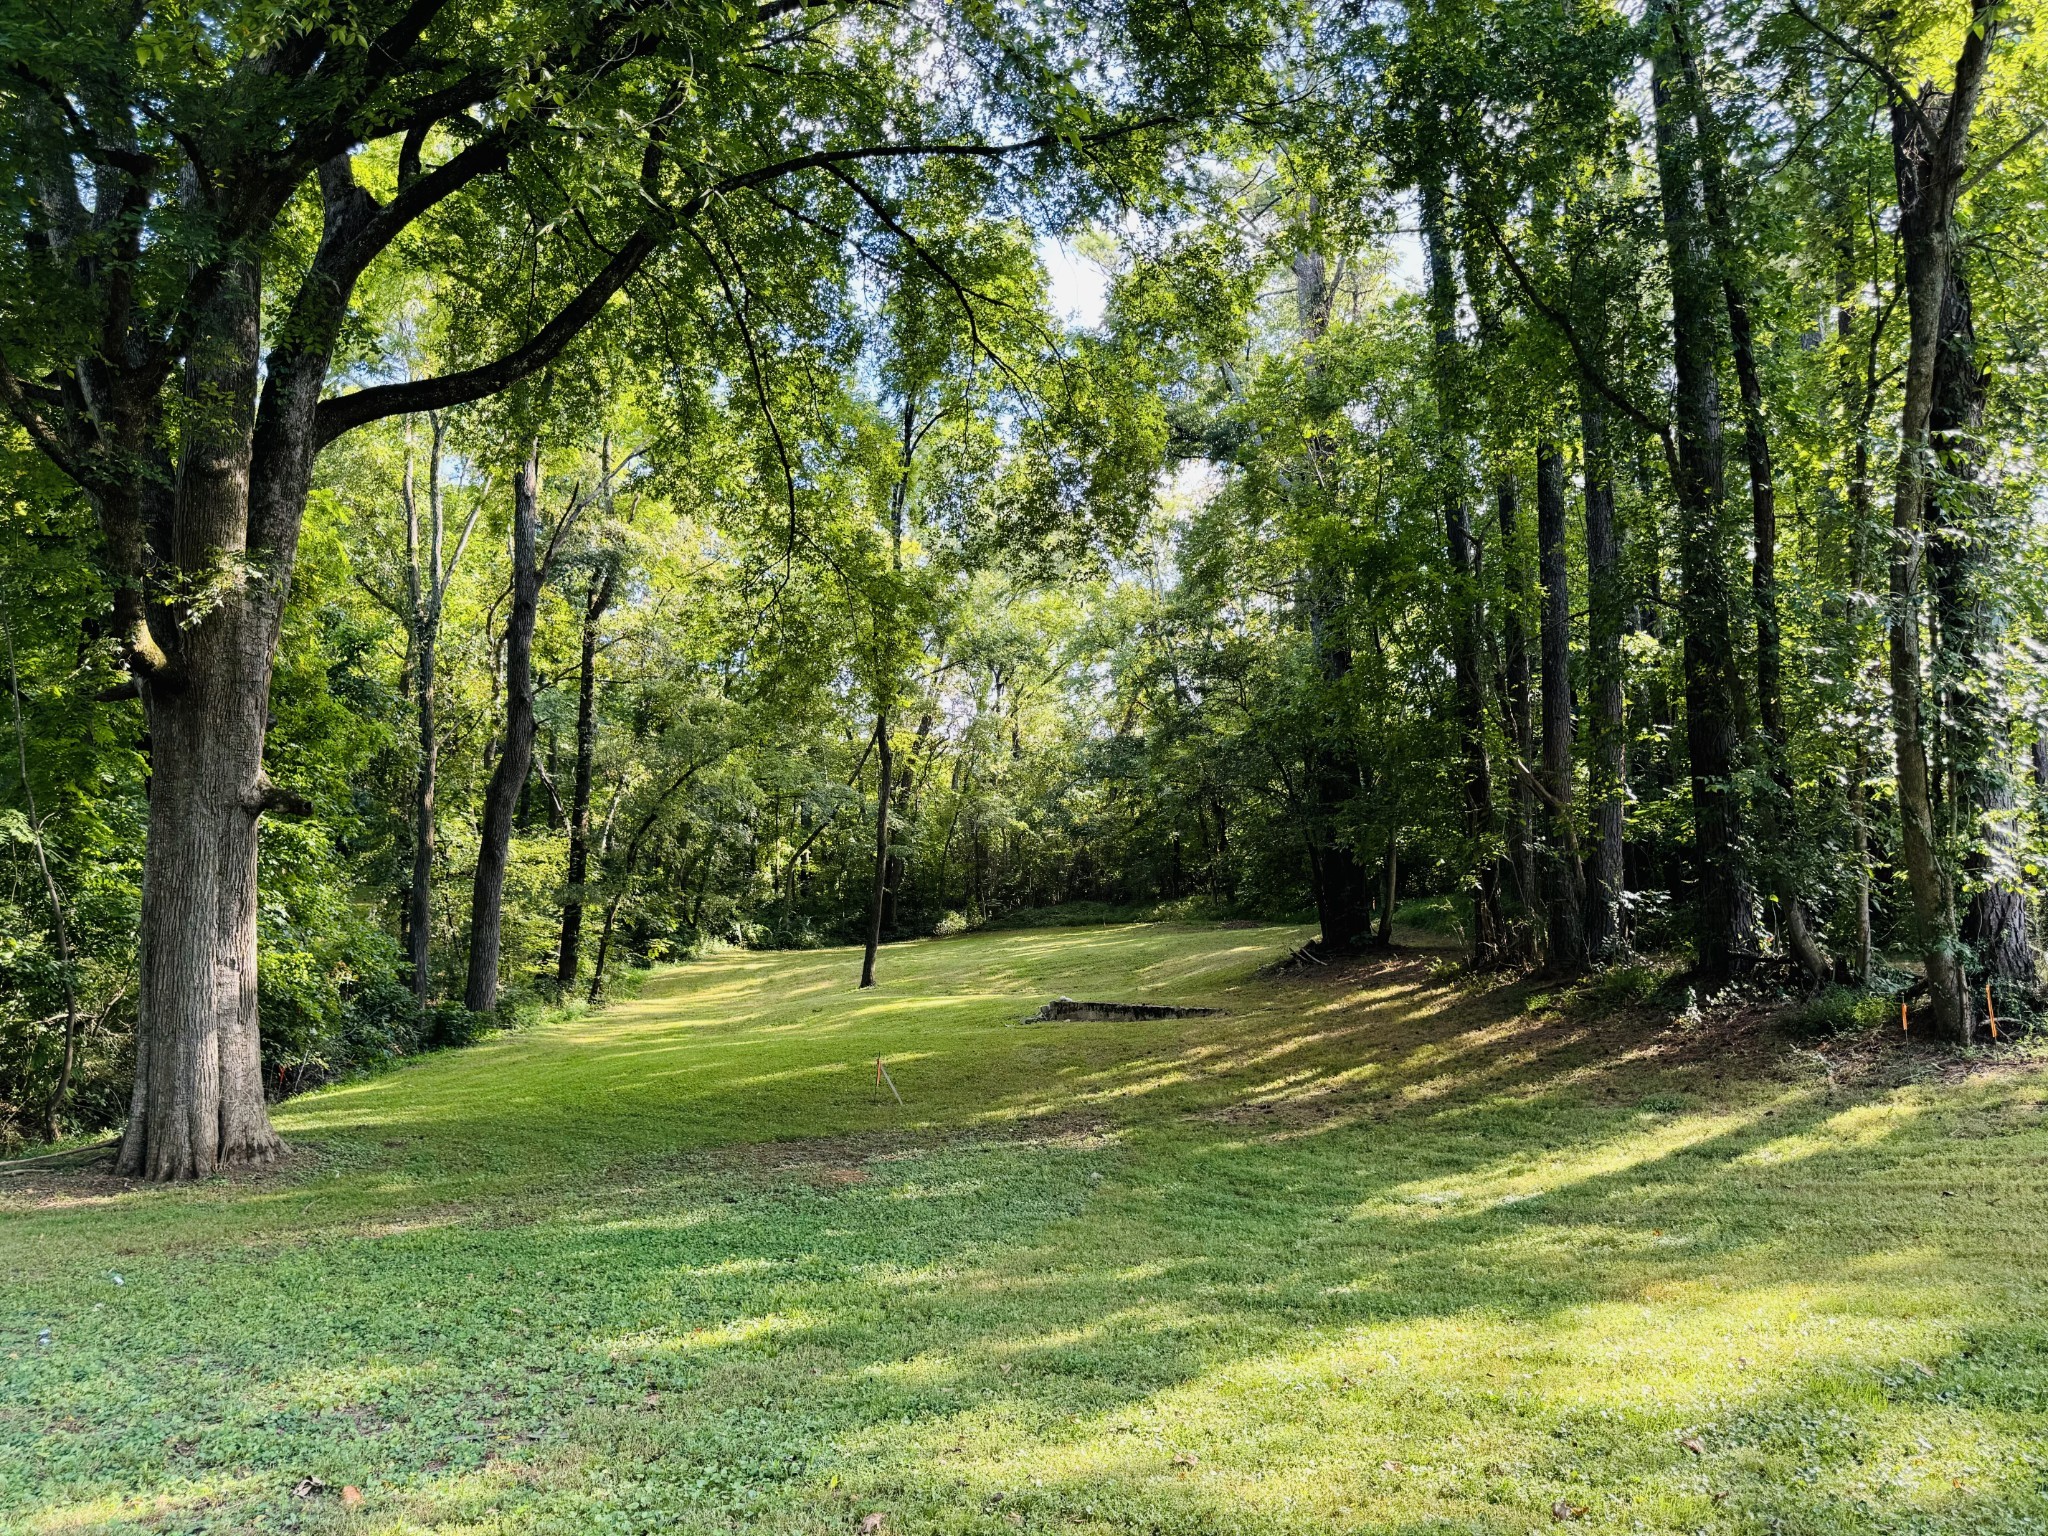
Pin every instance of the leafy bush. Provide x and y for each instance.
(1841, 1011)
(1627, 985)
(1445, 916)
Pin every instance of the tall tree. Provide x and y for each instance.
(1961, 555)
(597, 601)
(1713, 687)
(1930, 139)
(427, 602)
(1605, 601)
(1777, 809)
(1565, 879)
(1468, 613)
(1331, 774)
(515, 749)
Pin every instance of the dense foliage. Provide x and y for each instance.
(1580, 465)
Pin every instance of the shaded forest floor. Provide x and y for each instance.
(1372, 1250)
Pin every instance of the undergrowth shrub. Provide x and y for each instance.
(1840, 1011)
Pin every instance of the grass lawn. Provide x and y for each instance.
(1366, 1252)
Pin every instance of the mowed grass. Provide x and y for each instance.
(1370, 1251)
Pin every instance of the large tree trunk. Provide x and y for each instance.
(1565, 887)
(1604, 603)
(1928, 142)
(1724, 934)
(198, 1101)
(1468, 620)
(569, 955)
(883, 784)
(1961, 556)
(515, 760)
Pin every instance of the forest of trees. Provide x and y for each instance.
(499, 494)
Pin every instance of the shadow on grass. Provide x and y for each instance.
(1367, 1252)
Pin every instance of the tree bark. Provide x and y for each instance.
(1468, 606)
(1606, 877)
(515, 760)
(1566, 882)
(599, 599)
(1724, 936)
(198, 1100)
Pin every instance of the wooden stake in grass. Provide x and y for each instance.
(882, 1076)
(1991, 1009)
(1902, 1015)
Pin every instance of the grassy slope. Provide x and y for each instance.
(1366, 1253)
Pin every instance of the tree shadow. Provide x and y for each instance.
(1373, 1252)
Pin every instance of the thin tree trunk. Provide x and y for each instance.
(1469, 615)
(885, 781)
(1724, 934)
(1860, 402)
(1390, 883)
(1604, 603)
(515, 760)
(428, 574)
(892, 888)
(1567, 879)
(568, 956)
(1518, 685)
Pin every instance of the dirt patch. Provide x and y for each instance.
(1066, 1010)
(88, 1176)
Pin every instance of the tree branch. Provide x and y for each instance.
(344, 413)
(1595, 375)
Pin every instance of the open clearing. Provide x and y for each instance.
(1367, 1251)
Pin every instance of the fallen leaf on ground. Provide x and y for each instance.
(1186, 1459)
(1564, 1509)
(872, 1522)
(307, 1487)
(1695, 1445)
(351, 1497)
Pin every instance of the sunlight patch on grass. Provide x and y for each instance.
(1377, 1254)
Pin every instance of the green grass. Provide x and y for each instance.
(1368, 1252)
